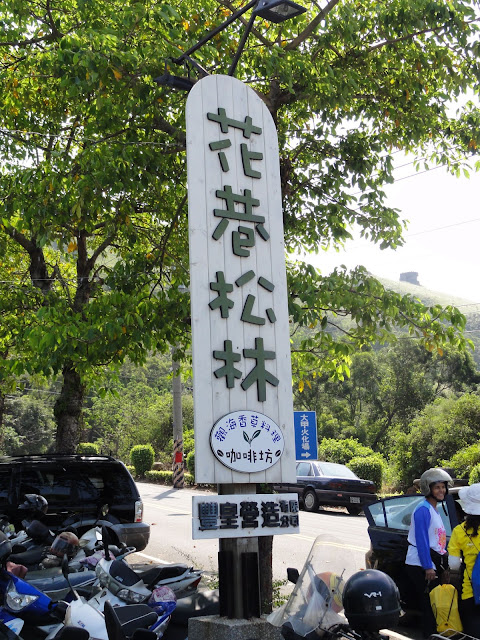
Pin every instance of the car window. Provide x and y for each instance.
(304, 469)
(333, 470)
(53, 484)
(5, 479)
(118, 485)
(89, 488)
(396, 513)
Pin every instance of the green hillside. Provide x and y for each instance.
(471, 309)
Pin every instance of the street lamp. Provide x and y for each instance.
(274, 10)
(278, 10)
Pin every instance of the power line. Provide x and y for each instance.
(448, 226)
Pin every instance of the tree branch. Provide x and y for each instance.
(307, 32)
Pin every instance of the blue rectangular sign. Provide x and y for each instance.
(305, 423)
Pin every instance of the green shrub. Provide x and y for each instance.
(474, 475)
(464, 460)
(142, 457)
(368, 468)
(88, 448)
(160, 477)
(190, 462)
(341, 451)
(166, 477)
(131, 469)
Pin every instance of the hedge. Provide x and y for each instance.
(142, 457)
(190, 462)
(166, 477)
(368, 468)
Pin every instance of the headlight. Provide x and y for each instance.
(17, 601)
(130, 596)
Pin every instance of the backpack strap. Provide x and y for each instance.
(451, 604)
(478, 551)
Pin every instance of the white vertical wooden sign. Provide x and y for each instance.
(237, 273)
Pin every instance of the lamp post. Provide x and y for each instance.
(276, 11)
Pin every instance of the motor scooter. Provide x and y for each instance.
(181, 578)
(152, 614)
(333, 600)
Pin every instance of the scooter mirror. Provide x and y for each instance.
(66, 575)
(65, 566)
(292, 575)
(105, 540)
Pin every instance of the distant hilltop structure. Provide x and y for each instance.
(410, 276)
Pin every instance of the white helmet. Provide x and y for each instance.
(430, 476)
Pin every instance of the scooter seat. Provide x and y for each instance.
(151, 576)
(121, 622)
(30, 557)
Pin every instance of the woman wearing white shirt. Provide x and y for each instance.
(427, 541)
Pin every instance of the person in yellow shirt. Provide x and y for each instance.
(465, 544)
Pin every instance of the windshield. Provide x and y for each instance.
(332, 470)
(316, 600)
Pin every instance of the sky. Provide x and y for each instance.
(442, 241)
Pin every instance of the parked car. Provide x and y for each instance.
(388, 523)
(79, 489)
(328, 483)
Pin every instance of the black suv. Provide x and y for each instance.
(78, 489)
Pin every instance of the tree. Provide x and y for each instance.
(32, 423)
(387, 388)
(93, 186)
(440, 431)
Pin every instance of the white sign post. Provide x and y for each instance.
(242, 383)
(240, 331)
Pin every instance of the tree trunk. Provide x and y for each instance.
(265, 554)
(68, 411)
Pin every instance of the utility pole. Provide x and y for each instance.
(178, 463)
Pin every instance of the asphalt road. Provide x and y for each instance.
(169, 513)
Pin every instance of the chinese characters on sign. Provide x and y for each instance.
(244, 515)
(240, 331)
(305, 423)
(243, 240)
(247, 441)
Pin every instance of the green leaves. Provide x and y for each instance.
(93, 176)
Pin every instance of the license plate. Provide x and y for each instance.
(352, 499)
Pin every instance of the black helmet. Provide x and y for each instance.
(371, 601)
(5, 547)
(34, 503)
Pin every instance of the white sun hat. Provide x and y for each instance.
(470, 499)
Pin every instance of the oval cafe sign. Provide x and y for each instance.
(247, 441)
